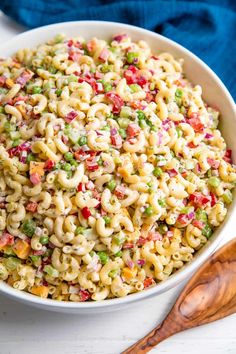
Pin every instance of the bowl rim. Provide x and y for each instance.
(184, 272)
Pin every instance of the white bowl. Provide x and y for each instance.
(214, 93)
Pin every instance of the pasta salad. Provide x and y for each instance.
(113, 173)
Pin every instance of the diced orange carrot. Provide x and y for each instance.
(37, 167)
(40, 290)
(9, 83)
(22, 249)
(128, 273)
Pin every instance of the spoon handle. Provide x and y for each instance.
(166, 329)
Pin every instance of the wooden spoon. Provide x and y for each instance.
(208, 296)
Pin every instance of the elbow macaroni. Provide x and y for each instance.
(113, 173)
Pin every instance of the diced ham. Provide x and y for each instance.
(133, 130)
(32, 207)
(6, 240)
(120, 37)
(120, 192)
(116, 141)
(24, 77)
(154, 236)
(71, 116)
(116, 100)
(172, 172)
(213, 163)
(35, 178)
(104, 55)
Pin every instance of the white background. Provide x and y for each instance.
(25, 330)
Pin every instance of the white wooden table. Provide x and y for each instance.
(25, 330)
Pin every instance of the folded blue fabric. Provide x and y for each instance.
(206, 27)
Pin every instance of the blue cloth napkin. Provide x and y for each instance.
(206, 27)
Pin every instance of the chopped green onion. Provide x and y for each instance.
(141, 115)
(118, 254)
(72, 78)
(122, 133)
(58, 92)
(111, 184)
(134, 88)
(2, 110)
(214, 182)
(107, 87)
(103, 257)
(162, 203)
(12, 262)
(44, 240)
(125, 112)
(107, 220)
(123, 122)
(163, 229)
(51, 271)
(14, 135)
(131, 56)
(227, 197)
(59, 38)
(82, 140)
(79, 230)
(148, 211)
(36, 89)
(68, 156)
(157, 172)
(178, 93)
(8, 127)
(201, 215)
(30, 157)
(66, 166)
(29, 227)
(179, 132)
(207, 231)
(15, 143)
(113, 273)
(36, 260)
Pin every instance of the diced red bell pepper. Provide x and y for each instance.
(32, 207)
(116, 100)
(198, 223)
(196, 124)
(148, 282)
(81, 187)
(192, 145)
(228, 156)
(49, 164)
(213, 199)
(183, 219)
(141, 81)
(127, 246)
(86, 212)
(199, 199)
(92, 165)
(84, 295)
(133, 130)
